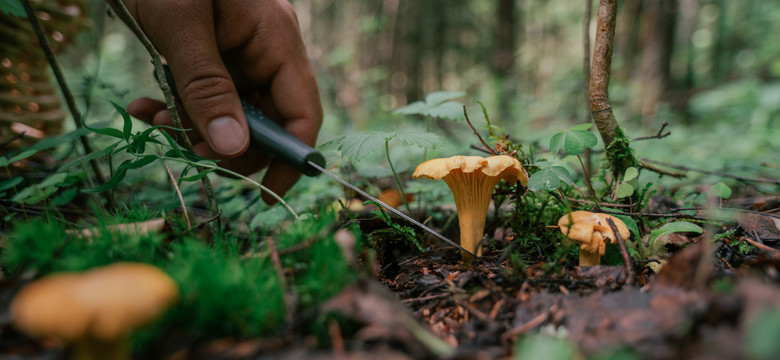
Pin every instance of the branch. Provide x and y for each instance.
(43, 41)
(659, 135)
(477, 133)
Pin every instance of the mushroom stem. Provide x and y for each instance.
(589, 259)
(90, 348)
(472, 192)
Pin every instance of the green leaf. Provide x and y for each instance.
(105, 131)
(721, 190)
(438, 97)
(544, 180)
(197, 176)
(578, 140)
(143, 161)
(562, 174)
(450, 110)
(53, 180)
(13, 8)
(673, 227)
(422, 140)
(356, 146)
(9, 183)
(415, 108)
(761, 335)
(630, 224)
(51, 142)
(631, 174)
(544, 347)
(65, 197)
(23, 155)
(624, 190)
(127, 128)
(585, 126)
(113, 181)
(88, 157)
(555, 143)
(33, 194)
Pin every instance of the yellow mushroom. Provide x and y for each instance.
(94, 312)
(591, 231)
(471, 180)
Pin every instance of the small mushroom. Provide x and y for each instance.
(94, 312)
(591, 231)
(471, 180)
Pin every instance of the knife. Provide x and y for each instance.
(267, 136)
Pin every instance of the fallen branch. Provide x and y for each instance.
(716, 173)
(623, 251)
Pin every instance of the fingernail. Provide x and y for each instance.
(227, 135)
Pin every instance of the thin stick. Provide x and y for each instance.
(659, 135)
(624, 251)
(43, 41)
(717, 173)
(128, 19)
(175, 185)
(477, 133)
(277, 264)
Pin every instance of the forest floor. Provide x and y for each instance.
(431, 306)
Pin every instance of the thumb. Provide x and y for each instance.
(205, 86)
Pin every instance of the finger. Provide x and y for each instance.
(279, 178)
(145, 108)
(205, 87)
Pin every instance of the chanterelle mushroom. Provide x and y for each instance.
(95, 311)
(591, 231)
(472, 179)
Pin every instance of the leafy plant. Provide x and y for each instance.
(574, 141)
(436, 105)
(398, 231)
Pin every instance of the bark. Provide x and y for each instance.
(619, 153)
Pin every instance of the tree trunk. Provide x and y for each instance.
(619, 152)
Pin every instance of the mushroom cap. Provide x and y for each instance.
(591, 230)
(503, 166)
(105, 303)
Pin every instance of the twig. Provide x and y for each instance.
(175, 185)
(128, 19)
(70, 101)
(466, 114)
(587, 179)
(659, 135)
(624, 251)
(277, 264)
(12, 139)
(515, 332)
(611, 205)
(425, 298)
(771, 251)
(646, 165)
(716, 173)
(586, 56)
(483, 149)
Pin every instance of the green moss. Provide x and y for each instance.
(620, 155)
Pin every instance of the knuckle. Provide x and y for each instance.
(208, 90)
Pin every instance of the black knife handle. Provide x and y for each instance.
(267, 136)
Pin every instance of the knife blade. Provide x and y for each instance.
(267, 136)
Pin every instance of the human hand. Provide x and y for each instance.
(260, 42)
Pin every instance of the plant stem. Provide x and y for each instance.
(587, 179)
(395, 175)
(128, 19)
(70, 101)
(201, 165)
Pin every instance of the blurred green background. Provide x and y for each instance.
(710, 68)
